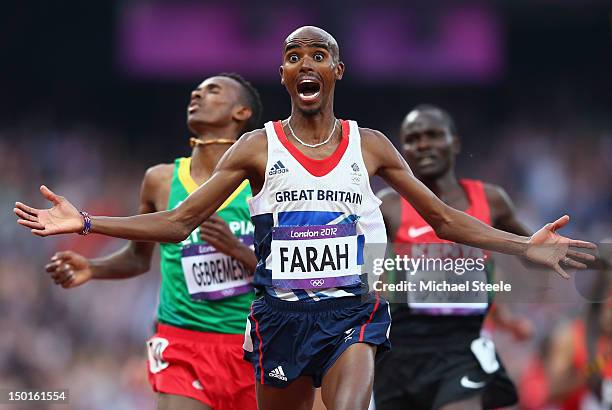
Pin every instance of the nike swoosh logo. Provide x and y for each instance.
(468, 384)
(415, 232)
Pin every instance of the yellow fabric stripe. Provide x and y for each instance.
(233, 196)
(190, 185)
(184, 175)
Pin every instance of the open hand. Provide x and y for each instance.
(63, 217)
(69, 269)
(215, 231)
(548, 248)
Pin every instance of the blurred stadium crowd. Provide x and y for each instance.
(92, 338)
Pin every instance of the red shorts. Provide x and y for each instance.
(204, 366)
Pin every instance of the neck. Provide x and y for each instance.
(312, 128)
(204, 158)
(442, 185)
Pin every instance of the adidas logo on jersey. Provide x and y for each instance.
(278, 168)
(278, 373)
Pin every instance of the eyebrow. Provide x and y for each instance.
(209, 86)
(292, 45)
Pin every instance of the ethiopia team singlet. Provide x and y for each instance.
(203, 289)
(312, 219)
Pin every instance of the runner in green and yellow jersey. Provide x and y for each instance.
(195, 358)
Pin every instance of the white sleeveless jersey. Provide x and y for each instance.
(312, 219)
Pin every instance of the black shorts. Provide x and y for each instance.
(423, 378)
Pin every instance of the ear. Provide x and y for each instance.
(242, 113)
(280, 71)
(339, 70)
(456, 144)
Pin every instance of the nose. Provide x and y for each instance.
(196, 94)
(307, 65)
(422, 142)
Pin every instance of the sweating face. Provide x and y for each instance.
(311, 67)
(214, 102)
(427, 144)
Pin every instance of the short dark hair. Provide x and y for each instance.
(443, 113)
(252, 100)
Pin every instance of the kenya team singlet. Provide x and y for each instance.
(203, 289)
(435, 321)
(312, 219)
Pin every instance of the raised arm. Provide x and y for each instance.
(545, 246)
(71, 269)
(166, 226)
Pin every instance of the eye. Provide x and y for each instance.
(318, 57)
(293, 58)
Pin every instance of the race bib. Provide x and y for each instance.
(446, 293)
(317, 256)
(211, 275)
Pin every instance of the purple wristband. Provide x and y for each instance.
(86, 223)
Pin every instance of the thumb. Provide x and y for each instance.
(560, 223)
(49, 195)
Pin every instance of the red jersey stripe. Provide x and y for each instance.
(317, 167)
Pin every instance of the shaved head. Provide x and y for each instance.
(313, 36)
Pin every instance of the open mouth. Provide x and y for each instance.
(194, 106)
(426, 160)
(308, 90)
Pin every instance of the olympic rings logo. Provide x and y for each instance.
(317, 282)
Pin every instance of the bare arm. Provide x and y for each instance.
(166, 226)
(70, 269)
(503, 211)
(545, 247)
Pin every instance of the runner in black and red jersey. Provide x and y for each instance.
(433, 364)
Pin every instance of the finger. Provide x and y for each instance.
(560, 271)
(210, 236)
(573, 263)
(69, 278)
(31, 225)
(25, 208)
(560, 223)
(52, 267)
(213, 228)
(62, 255)
(215, 218)
(582, 244)
(580, 255)
(49, 195)
(25, 215)
(40, 232)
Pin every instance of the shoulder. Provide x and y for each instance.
(375, 141)
(371, 136)
(496, 195)
(158, 172)
(157, 175)
(252, 140)
(257, 136)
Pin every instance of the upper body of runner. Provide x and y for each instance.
(310, 69)
(430, 143)
(210, 293)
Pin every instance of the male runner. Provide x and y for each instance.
(195, 358)
(313, 211)
(432, 365)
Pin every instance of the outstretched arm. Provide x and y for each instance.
(71, 269)
(166, 226)
(545, 246)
